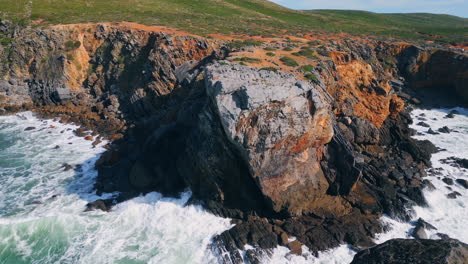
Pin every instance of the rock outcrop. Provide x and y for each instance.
(423, 251)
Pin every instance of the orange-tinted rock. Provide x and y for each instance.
(89, 138)
(295, 247)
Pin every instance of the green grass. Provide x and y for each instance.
(289, 61)
(306, 52)
(256, 17)
(271, 54)
(306, 68)
(273, 69)
(247, 59)
(311, 77)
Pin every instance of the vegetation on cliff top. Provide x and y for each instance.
(258, 17)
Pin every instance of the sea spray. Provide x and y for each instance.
(41, 206)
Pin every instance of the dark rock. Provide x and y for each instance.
(444, 130)
(448, 181)
(428, 184)
(140, 177)
(453, 195)
(432, 132)
(419, 232)
(450, 115)
(425, 224)
(364, 131)
(103, 205)
(462, 162)
(442, 236)
(404, 251)
(29, 128)
(423, 124)
(57, 147)
(462, 182)
(66, 167)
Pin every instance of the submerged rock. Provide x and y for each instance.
(404, 251)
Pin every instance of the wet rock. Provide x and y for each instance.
(295, 247)
(90, 138)
(448, 181)
(57, 147)
(103, 205)
(80, 132)
(66, 167)
(419, 232)
(29, 128)
(462, 162)
(404, 251)
(425, 224)
(450, 115)
(444, 129)
(443, 236)
(428, 184)
(432, 132)
(423, 124)
(453, 195)
(97, 142)
(283, 239)
(462, 182)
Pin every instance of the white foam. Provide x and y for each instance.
(147, 229)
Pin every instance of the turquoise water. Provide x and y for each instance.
(41, 207)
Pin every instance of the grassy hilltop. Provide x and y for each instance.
(238, 16)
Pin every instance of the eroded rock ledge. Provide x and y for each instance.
(283, 157)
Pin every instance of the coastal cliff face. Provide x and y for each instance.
(320, 160)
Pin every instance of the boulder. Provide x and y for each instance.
(295, 247)
(102, 205)
(462, 182)
(444, 129)
(423, 124)
(406, 251)
(448, 181)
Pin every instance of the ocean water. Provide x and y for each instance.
(42, 218)
(41, 207)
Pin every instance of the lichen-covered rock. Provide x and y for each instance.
(280, 124)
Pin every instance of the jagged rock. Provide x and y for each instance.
(428, 184)
(102, 205)
(402, 251)
(462, 182)
(419, 231)
(423, 124)
(448, 181)
(453, 195)
(444, 130)
(432, 132)
(364, 131)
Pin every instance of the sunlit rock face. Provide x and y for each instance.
(280, 124)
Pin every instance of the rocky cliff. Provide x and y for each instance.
(319, 159)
